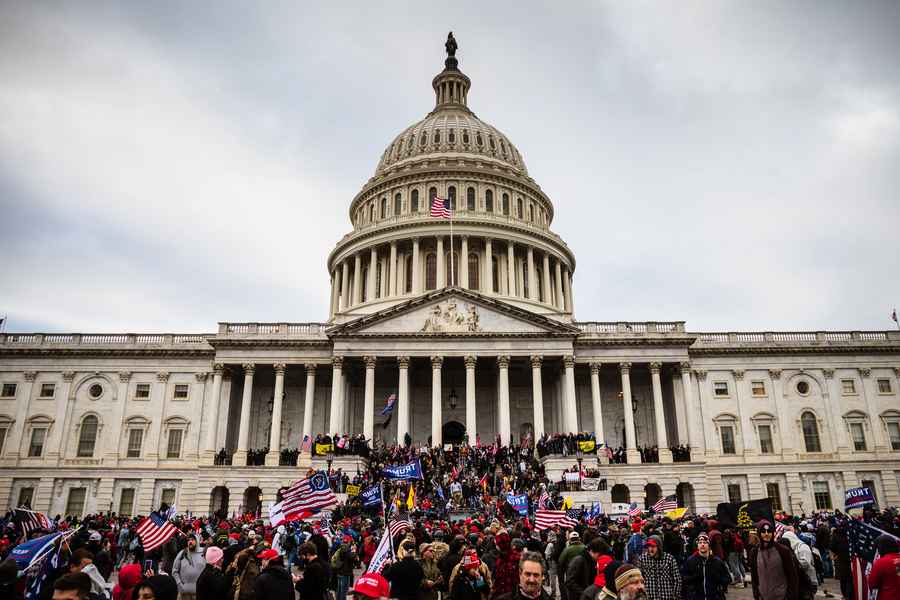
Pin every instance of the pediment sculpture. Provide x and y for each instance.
(447, 318)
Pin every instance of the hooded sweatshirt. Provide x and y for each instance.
(803, 553)
(129, 576)
(187, 567)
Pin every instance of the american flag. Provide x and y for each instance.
(863, 553)
(308, 495)
(634, 510)
(779, 529)
(666, 504)
(440, 208)
(29, 520)
(400, 525)
(576, 514)
(154, 531)
(545, 519)
(543, 501)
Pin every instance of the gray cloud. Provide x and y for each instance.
(167, 165)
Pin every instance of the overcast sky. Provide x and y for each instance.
(164, 166)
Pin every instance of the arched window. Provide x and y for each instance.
(430, 272)
(810, 432)
(432, 194)
(409, 275)
(495, 274)
(87, 437)
(465, 136)
(519, 208)
(414, 201)
(422, 139)
(489, 201)
(383, 213)
(398, 204)
(539, 281)
(505, 203)
(470, 199)
(525, 280)
(451, 195)
(437, 137)
(365, 283)
(531, 212)
(451, 136)
(452, 274)
(473, 271)
(378, 280)
(371, 213)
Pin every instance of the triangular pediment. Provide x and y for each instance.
(454, 311)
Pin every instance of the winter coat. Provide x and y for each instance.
(704, 578)
(580, 574)
(406, 578)
(803, 553)
(433, 574)
(662, 578)
(463, 587)
(274, 583)
(244, 570)
(212, 584)
(840, 548)
(129, 576)
(315, 580)
(790, 573)
(517, 595)
(187, 568)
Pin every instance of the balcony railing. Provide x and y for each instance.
(273, 329)
(630, 327)
(796, 337)
(106, 339)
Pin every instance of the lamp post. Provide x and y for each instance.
(579, 456)
(454, 399)
(329, 458)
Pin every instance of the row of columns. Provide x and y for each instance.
(343, 296)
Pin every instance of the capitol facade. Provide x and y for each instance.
(124, 422)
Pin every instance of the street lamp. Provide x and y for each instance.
(329, 458)
(579, 456)
(453, 398)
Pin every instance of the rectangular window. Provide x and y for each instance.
(36, 447)
(765, 439)
(720, 388)
(869, 484)
(821, 495)
(47, 390)
(727, 432)
(142, 390)
(3, 431)
(75, 502)
(859, 437)
(135, 441)
(173, 449)
(774, 493)
(181, 391)
(126, 502)
(894, 433)
(26, 497)
(884, 386)
(8, 391)
(848, 386)
(734, 492)
(168, 496)
(758, 388)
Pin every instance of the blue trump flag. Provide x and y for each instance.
(520, 503)
(371, 496)
(858, 497)
(27, 553)
(411, 470)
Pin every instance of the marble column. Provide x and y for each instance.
(504, 425)
(471, 407)
(416, 276)
(345, 285)
(692, 415)
(369, 403)
(784, 420)
(54, 447)
(403, 399)
(662, 438)
(357, 279)
(336, 410)
(371, 293)
(436, 404)
(537, 395)
(309, 401)
(742, 394)
(630, 443)
(571, 404)
(240, 456)
(597, 403)
(464, 262)
(214, 406)
(567, 292)
(560, 299)
(440, 263)
(511, 269)
(548, 295)
(334, 293)
(14, 440)
(532, 292)
(272, 458)
(488, 286)
(869, 392)
(833, 400)
(392, 289)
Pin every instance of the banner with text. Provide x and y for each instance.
(371, 496)
(411, 470)
(858, 497)
(520, 502)
(353, 490)
(590, 484)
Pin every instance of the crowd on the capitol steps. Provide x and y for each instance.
(479, 522)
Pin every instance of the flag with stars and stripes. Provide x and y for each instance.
(545, 519)
(863, 553)
(634, 510)
(543, 502)
(400, 525)
(308, 496)
(666, 504)
(155, 531)
(27, 520)
(576, 514)
(440, 207)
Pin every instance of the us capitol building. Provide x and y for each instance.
(123, 422)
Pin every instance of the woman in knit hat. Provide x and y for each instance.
(212, 583)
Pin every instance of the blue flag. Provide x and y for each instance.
(858, 497)
(27, 553)
(520, 503)
(371, 496)
(389, 405)
(411, 470)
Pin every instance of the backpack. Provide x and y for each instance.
(289, 543)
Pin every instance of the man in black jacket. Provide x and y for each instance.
(705, 576)
(582, 569)
(273, 582)
(405, 575)
(314, 581)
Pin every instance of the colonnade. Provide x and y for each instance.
(568, 410)
(407, 268)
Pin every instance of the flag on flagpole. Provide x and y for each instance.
(545, 519)
(308, 495)
(398, 526)
(306, 446)
(411, 499)
(29, 520)
(440, 207)
(634, 510)
(154, 531)
(894, 316)
(666, 504)
(543, 501)
(389, 405)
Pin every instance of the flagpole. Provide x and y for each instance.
(452, 269)
(387, 530)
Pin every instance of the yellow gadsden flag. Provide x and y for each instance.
(567, 503)
(676, 514)
(587, 446)
(411, 501)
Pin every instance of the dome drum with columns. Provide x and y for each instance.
(124, 421)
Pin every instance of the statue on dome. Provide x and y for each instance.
(451, 45)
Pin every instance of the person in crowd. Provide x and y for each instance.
(156, 587)
(573, 548)
(212, 584)
(704, 576)
(273, 582)
(72, 586)
(343, 561)
(635, 546)
(434, 579)
(313, 583)
(630, 583)
(772, 570)
(885, 574)
(82, 561)
(734, 551)
(470, 578)
(506, 566)
(371, 586)
(550, 561)
(607, 589)
(405, 575)
(187, 566)
(662, 578)
(129, 576)
(806, 573)
(243, 572)
(840, 556)
(582, 569)
(531, 579)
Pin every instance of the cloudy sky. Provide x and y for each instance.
(164, 166)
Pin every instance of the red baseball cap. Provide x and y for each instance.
(268, 554)
(652, 542)
(372, 585)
